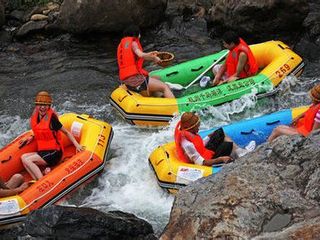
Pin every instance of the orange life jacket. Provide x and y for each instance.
(46, 138)
(129, 64)
(196, 141)
(305, 124)
(250, 68)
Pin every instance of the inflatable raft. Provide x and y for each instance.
(275, 59)
(74, 169)
(173, 174)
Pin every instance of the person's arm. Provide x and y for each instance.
(14, 191)
(72, 139)
(222, 159)
(151, 56)
(191, 152)
(3, 185)
(243, 58)
(316, 124)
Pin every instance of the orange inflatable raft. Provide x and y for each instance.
(74, 169)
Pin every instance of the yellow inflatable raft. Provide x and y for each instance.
(275, 59)
(172, 174)
(74, 169)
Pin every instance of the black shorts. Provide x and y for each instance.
(52, 157)
(140, 88)
(218, 145)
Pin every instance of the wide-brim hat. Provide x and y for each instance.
(315, 93)
(43, 98)
(189, 121)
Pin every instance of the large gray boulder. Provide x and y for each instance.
(57, 222)
(2, 16)
(108, 16)
(260, 17)
(274, 193)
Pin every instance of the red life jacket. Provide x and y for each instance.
(250, 68)
(305, 124)
(129, 64)
(196, 141)
(46, 138)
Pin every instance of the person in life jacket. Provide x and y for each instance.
(305, 123)
(240, 62)
(131, 56)
(213, 149)
(47, 130)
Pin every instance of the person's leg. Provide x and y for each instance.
(228, 139)
(216, 69)
(238, 151)
(31, 163)
(15, 181)
(224, 149)
(155, 85)
(282, 130)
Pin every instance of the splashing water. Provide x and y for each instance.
(128, 184)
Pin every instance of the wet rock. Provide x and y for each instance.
(57, 222)
(12, 231)
(2, 16)
(259, 17)
(194, 29)
(17, 15)
(108, 16)
(31, 26)
(38, 17)
(308, 49)
(175, 7)
(312, 21)
(246, 199)
(5, 38)
(310, 229)
(53, 6)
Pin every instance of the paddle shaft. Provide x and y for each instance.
(205, 71)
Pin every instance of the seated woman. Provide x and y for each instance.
(130, 61)
(213, 149)
(240, 62)
(306, 122)
(47, 130)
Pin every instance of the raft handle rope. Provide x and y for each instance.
(64, 178)
(209, 100)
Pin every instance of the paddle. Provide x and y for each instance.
(176, 86)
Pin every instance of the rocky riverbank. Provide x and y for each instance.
(295, 22)
(57, 222)
(272, 193)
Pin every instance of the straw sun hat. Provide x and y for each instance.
(315, 93)
(43, 98)
(189, 120)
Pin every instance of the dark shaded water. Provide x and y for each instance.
(81, 74)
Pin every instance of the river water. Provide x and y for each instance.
(81, 74)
